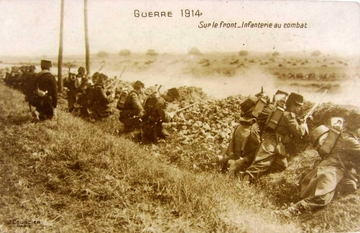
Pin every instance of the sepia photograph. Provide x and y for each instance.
(179, 116)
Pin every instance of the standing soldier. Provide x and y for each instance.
(133, 110)
(282, 125)
(156, 114)
(47, 91)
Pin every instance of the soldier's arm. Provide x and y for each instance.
(294, 126)
(136, 103)
(102, 96)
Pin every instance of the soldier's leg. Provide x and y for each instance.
(263, 158)
(71, 101)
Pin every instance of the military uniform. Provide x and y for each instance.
(30, 84)
(246, 137)
(81, 84)
(319, 184)
(69, 83)
(152, 128)
(47, 84)
(271, 154)
(100, 106)
(133, 110)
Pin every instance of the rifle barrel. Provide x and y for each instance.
(315, 105)
(181, 109)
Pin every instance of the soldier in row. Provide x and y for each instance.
(262, 147)
(156, 114)
(132, 110)
(146, 116)
(41, 92)
(99, 99)
(338, 148)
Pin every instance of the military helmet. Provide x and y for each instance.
(294, 99)
(318, 134)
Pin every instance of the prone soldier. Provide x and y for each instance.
(339, 150)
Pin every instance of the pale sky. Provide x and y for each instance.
(29, 28)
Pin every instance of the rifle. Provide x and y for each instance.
(309, 114)
(182, 109)
(101, 67)
(173, 114)
(116, 82)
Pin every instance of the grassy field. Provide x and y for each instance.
(71, 175)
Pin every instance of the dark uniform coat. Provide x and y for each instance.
(100, 107)
(318, 185)
(152, 128)
(266, 157)
(46, 82)
(133, 110)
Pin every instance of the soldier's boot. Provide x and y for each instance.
(224, 164)
(236, 166)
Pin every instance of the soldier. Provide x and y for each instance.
(340, 153)
(47, 91)
(245, 138)
(280, 128)
(29, 82)
(156, 114)
(69, 83)
(101, 98)
(133, 110)
(81, 84)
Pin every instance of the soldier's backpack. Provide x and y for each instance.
(324, 138)
(328, 144)
(274, 118)
(120, 105)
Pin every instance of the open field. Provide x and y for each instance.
(222, 75)
(72, 175)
